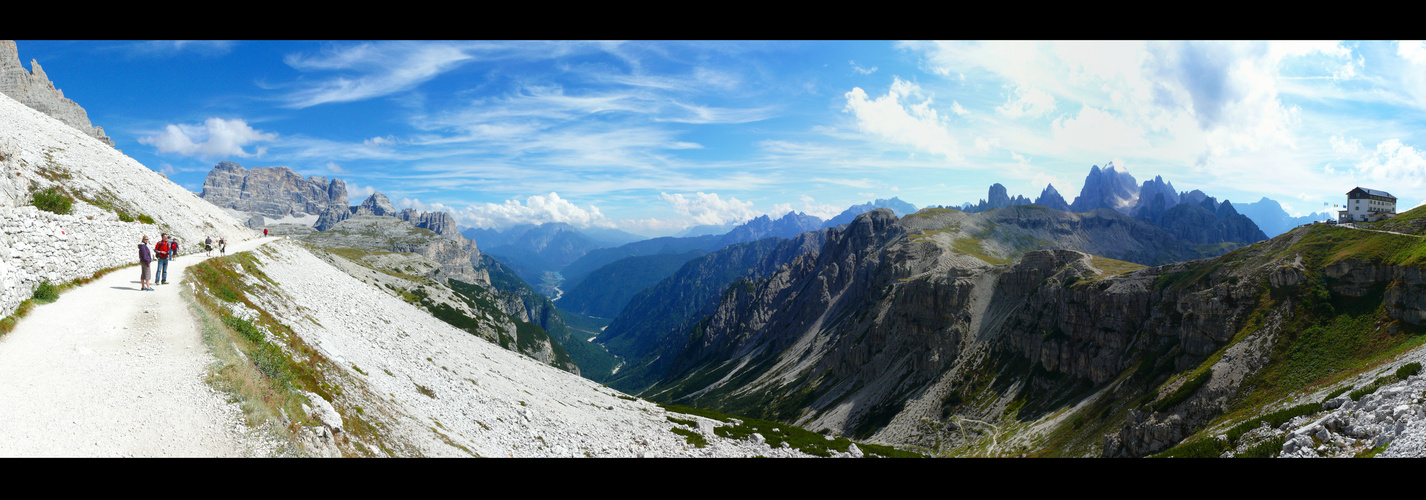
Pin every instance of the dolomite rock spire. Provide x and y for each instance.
(34, 89)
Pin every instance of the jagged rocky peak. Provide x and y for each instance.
(34, 89)
(1050, 198)
(274, 192)
(376, 204)
(1109, 187)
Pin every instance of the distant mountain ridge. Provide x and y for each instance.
(1192, 216)
(896, 205)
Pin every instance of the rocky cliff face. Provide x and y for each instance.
(1109, 188)
(389, 234)
(870, 333)
(272, 192)
(34, 89)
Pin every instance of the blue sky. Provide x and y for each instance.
(653, 137)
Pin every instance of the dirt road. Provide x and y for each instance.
(109, 370)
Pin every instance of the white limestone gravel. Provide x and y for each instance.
(111, 371)
(483, 400)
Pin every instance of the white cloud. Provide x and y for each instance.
(862, 70)
(1097, 130)
(165, 48)
(911, 124)
(957, 109)
(537, 209)
(334, 167)
(1412, 50)
(214, 138)
(820, 210)
(1346, 147)
(377, 69)
(380, 141)
(357, 193)
(1394, 164)
(709, 208)
(1027, 101)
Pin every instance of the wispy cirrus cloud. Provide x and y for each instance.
(169, 48)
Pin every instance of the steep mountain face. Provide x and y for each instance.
(1050, 198)
(1152, 189)
(895, 330)
(883, 309)
(390, 234)
(1108, 188)
(575, 272)
(272, 192)
(787, 226)
(1198, 225)
(606, 290)
(897, 207)
(378, 205)
(34, 89)
(655, 323)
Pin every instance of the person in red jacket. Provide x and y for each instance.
(164, 251)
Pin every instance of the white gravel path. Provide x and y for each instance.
(108, 371)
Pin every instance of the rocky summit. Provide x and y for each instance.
(275, 192)
(34, 89)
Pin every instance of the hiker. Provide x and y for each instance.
(208, 245)
(222, 246)
(163, 249)
(264, 232)
(144, 259)
(172, 250)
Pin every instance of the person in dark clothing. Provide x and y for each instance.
(144, 259)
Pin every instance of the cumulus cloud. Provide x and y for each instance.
(1394, 164)
(335, 168)
(1412, 50)
(537, 209)
(957, 109)
(908, 123)
(216, 137)
(709, 208)
(860, 69)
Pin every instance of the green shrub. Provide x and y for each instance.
(46, 293)
(1274, 419)
(1408, 370)
(1184, 391)
(1358, 394)
(1203, 448)
(125, 217)
(53, 200)
(1266, 449)
(145, 219)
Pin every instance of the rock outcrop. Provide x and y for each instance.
(34, 89)
(274, 192)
